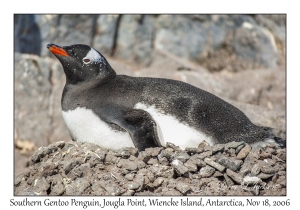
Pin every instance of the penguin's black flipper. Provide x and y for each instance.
(141, 127)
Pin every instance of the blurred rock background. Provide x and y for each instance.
(240, 58)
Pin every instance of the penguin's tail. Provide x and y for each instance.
(278, 141)
(269, 138)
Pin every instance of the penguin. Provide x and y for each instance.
(118, 111)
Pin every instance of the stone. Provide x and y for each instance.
(128, 165)
(206, 171)
(255, 169)
(191, 166)
(69, 165)
(232, 164)
(111, 159)
(77, 187)
(248, 180)
(129, 177)
(133, 151)
(281, 153)
(48, 169)
(182, 156)
(133, 185)
(265, 176)
(244, 152)
(123, 153)
(236, 177)
(158, 182)
(179, 167)
(217, 174)
(268, 168)
(144, 156)
(140, 164)
(106, 29)
(239, 148)
(40, 186)
(234, 144)
(229, 182)
(217, 148)
(154, 151)
(191, 150)
(183, 187)
(214, 164)
(172, 192)
(134, 40)
(173, 146)
(40, 153)
(204, 155)
(152, 161)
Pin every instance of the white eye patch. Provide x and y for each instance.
(93, 57)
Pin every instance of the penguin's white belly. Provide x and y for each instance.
(172, 130)
(85, 126)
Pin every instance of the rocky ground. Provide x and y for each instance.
(240, 58)
(72, 168)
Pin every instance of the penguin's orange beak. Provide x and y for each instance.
(57, 50)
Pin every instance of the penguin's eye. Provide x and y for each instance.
(86, 60)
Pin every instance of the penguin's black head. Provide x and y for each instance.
(82, 63)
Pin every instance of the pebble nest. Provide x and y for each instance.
(74, 168)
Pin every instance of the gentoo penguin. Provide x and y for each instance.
(117, 111)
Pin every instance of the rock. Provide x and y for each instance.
(48, 169)
(133, 151)
(144, 156)
(133, 185)
(233, 144)
(77, 187)
(204, 155)
(183, 187)
(191, 166)
(154, 151)
(229, 182)
(69, 165)
(129, 177)
(264, 176)
(198, 162)
(182, 156)
(191, 150)
(140, 164)
(239, 148)
(230, 163)
(236, 177)
(170, 145)
(158, 182)
(106, 29)
(123, 153)
(179, 167)
(268, 168)
(217, 174)
(217, 148)
(206, 171)
(111, 158)
(255, 169)
(244, 152)
(214, 164)
(247, 180)
(128, 165)
(172, 193)
(264, 155)
(281, 153)
(40, 153)
(40, 186)
(134, 40)
(152, 161)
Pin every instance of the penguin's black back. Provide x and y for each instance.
(190, 105)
